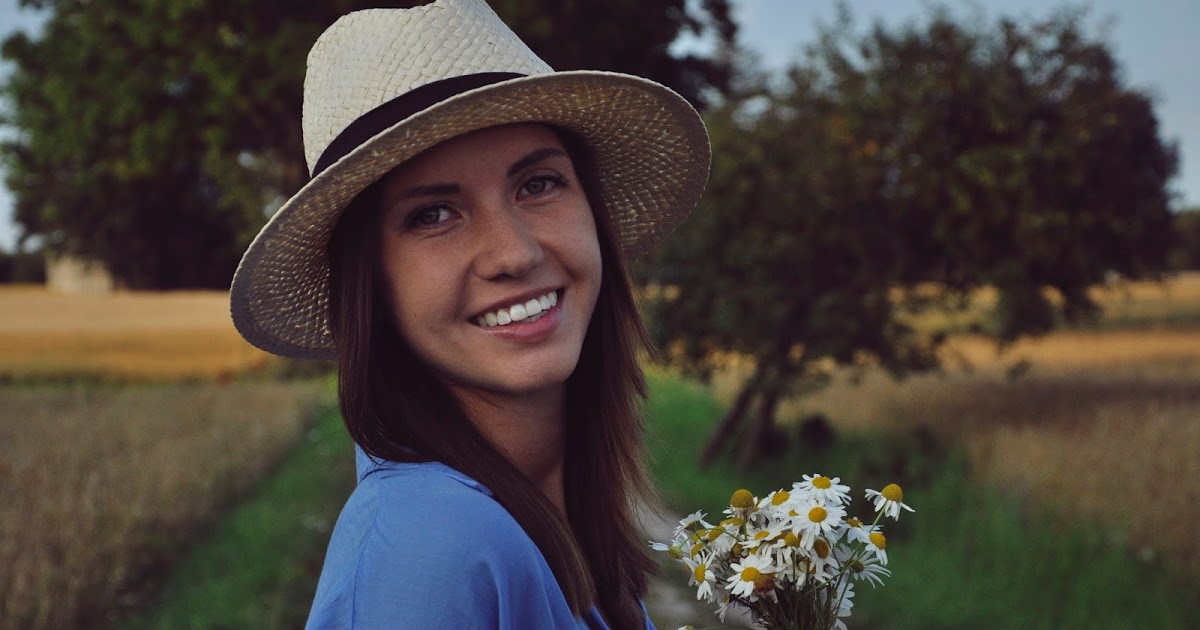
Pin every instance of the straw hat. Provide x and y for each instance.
(383, 85)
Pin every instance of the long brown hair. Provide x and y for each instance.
(595, 552)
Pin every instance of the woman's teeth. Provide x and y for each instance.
(525, 311)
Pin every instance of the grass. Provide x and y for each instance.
(103, 484)
(971, 556)
(258, 567)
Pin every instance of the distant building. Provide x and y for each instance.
(69, 274)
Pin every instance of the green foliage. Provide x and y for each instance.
(151, 135)
(260, 565)
(893, 173)
(969, 557)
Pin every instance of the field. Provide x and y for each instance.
(129, 423)
(104, 484)
(1101, 425)
(106, 476)
(122, 336)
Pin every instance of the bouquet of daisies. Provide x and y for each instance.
(790, 558)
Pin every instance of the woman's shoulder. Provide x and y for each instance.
(424, 543)
(439, 504)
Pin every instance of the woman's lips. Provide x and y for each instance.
(531, 330)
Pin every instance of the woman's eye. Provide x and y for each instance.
(542, 184)
(427, 217)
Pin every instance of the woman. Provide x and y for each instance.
(459, 251)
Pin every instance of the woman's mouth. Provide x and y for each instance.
(528, 311)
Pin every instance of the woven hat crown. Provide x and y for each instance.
(369, 57)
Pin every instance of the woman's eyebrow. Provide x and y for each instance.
(535, 156)
(432, 190)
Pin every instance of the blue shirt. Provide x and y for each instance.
(424, 546)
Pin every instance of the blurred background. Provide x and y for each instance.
(952, 246)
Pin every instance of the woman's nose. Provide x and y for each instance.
(508, 245)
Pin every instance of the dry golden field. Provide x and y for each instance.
(100, 482)
(121, 336)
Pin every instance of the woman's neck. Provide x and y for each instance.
(528, 430)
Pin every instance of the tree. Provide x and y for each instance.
(151, 135)
(1185, 250)
(893, 174)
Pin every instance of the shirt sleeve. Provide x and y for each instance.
(449, 556)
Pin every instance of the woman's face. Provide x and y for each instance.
(480, 235)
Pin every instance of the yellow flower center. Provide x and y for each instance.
(853, 522)
(857, 566)
(764, 582)
(821, 482)
(675, 552)
(780, 497)
(892, 492)
(750, 574)
(701, 569)
(697, 548)
(817, 514)
(791, 540)
(732, 522)
(761, 535)
(736, 549)
(741, 500)
(822, 548)
(878, 540)
(714, 534)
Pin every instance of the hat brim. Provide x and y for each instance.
(652, 159)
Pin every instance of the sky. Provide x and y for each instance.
(1155, 40)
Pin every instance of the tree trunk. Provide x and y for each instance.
(764, 439)
(770, 372)
(729, 423)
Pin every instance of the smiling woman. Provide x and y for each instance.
(461, 252)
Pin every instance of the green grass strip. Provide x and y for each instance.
(259, 566)
(970, 557)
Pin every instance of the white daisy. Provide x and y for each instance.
(741, 504)
(691, 519)
(824, 489)
(878, 545)
(724, 607)
(862, 567)
(822, 563)
(748, 575)
(768, 535)
(722, 537)
(816, 519)
(702, 576)
(889, 500)
(869, 569)
(856, 531)
(785, 549)
(774, 500)
(675, 550)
